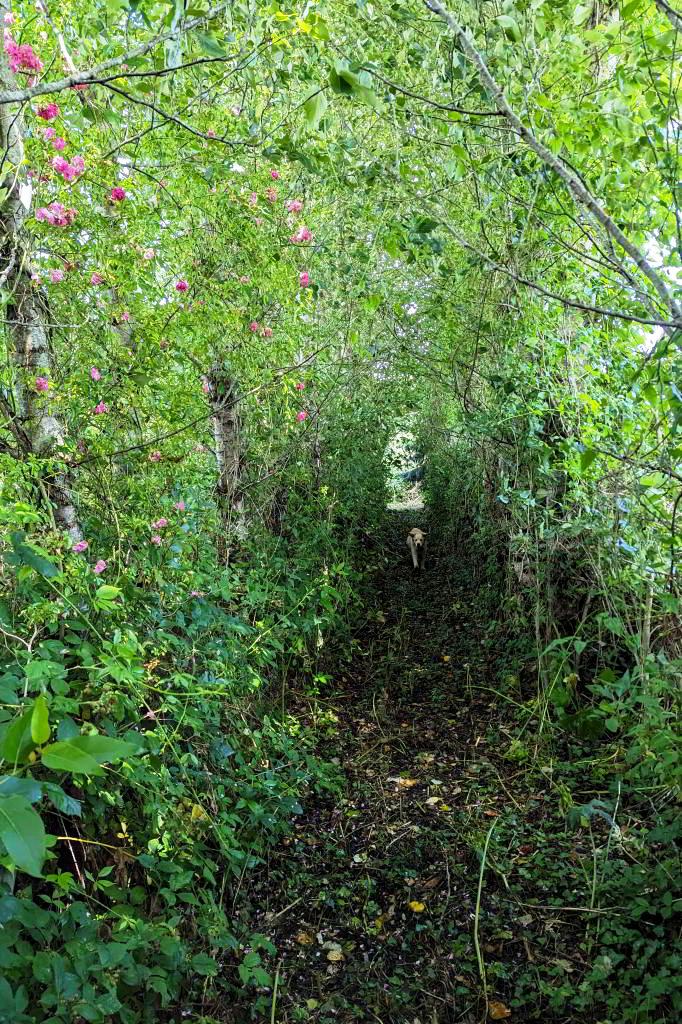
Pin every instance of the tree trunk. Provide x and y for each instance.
(227, 431)
(33, 420)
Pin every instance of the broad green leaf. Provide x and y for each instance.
(210, 45)
(16, 742)
(315, 107)
(65, 757)
(32, 556)
(510, 26)
(12, 785)
(587, 458)
(104, 748)
(40, 725)
(23, 834)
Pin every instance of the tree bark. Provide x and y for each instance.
(227, 430)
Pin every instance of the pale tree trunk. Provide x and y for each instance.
(33, 421)
(223, 396)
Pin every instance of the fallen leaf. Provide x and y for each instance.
(403, 783)
(498, 1011)
(416, 906)
(335, 955)
(433, 800)
(304, 939)
(446, 658)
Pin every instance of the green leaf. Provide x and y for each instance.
(31, 556)
(510, 26)
(204, 964)
(29, 789)
(23, 834)
(40, 725)
(210, 45)
(65, 757)
(315, 107)
(104, 748)
(16, 742)
(587, 458)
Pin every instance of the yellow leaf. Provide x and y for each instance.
(416, 906)
(304, 939)
(498, 1011)
(403, 783)
(335, 955)
(446, 658)
(198, 813)
(433, 800)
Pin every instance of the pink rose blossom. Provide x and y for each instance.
(253, 199)
(148, 254)
(49, 112)
(302, 235)
(99, 566)
(117, 194)
(210, 133)
(49, 133)
(56, 214)
(42, 384)
(160, 523)
(9, 18)
(294, 205)
(95, 373)
(59, 143)
(156, 539)
(258, 221)
(96, 278)
(22, 58)
(267, 332)
(254, 326)
(56, 276)
(274, 174)
(302, 415)
(36, 278)
(300, 385)
(271, 195)
(304, 279)
(181, 286)
(81, 545)
(155, 456)
(125, 316)
(100, 409)
(180, 506)
(196, 593)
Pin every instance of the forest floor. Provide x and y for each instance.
(373, 903)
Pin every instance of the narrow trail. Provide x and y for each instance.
(372, 902)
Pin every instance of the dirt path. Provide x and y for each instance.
(372, 904)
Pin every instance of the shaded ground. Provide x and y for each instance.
(372, 904)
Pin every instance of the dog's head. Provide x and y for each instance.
(418, 536)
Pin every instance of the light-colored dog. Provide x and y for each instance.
(416, 542)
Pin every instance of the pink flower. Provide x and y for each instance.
(49, 133)
(160, 523)
(96, 278)
(100, 409)
(42, 384)
(99, 566)
(300, 385)
(125, 316)
(181, 286)
(180, 506)
(210, 133)
(254, 326)
(302, 415)
(95, 373)
(80, 86)
(267, 332)
(302, 235)
(69, 171)
(59, 143)
(56, 276)
(245, 279)
(56, 214)
(294, 205)
(22, 58)
(274, 174)
(258, 221)
(155, 539)
(235, 111)
(49, 112)
(154, 456)
(304, 279)
(81, 545)
(9, 18)
(205, 387)
(148, 254)
(271, 195)
(117, 194)
(196, 593)
(253, 199)
(36, 278)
